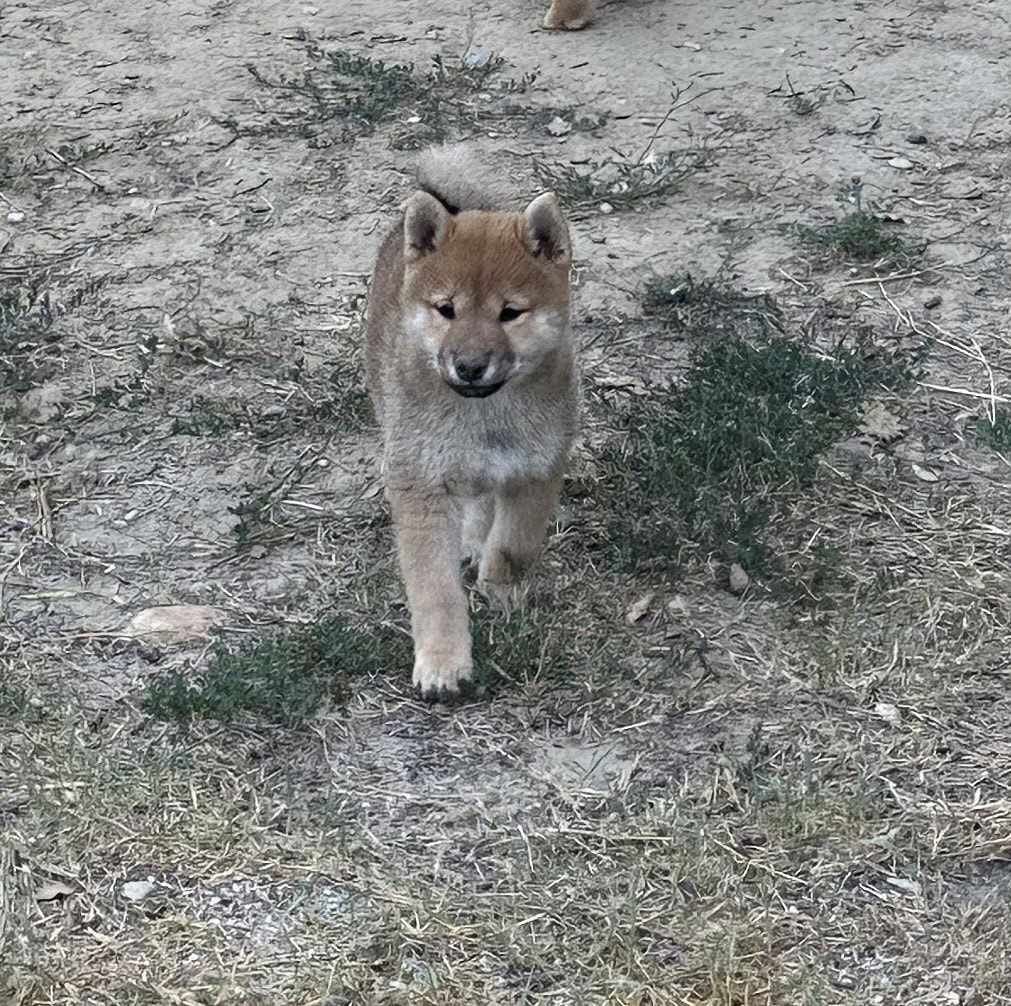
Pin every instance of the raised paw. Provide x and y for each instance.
(506, 597)
(441, 671)
(500, 578)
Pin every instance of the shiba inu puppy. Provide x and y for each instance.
(470, 365)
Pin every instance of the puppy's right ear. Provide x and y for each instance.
(426, 221)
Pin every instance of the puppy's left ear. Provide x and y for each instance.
(547, 233)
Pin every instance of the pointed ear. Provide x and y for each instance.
(426, 221)
(546, 231)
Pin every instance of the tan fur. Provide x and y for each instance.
(569, 15)
(474, 475)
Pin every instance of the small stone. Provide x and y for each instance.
(273, 412)
(53, 891)
(889, 712)
(739, 579)
(931, 302)
(605, 208)
(923, 473)
(477, 58)
(41, 404)
(639, 609)
(558, 126)
(174, 622)
(135, 890)
(902, 163)
(918, 138)
(15, 217)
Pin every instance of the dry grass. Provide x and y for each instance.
(729, 801)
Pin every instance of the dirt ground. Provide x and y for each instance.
(745, 800)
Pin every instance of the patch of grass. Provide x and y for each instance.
(682, 302)
(14, 701)
(857, 237)
(346, 96)
(26, 319)
(619, 182)
(860, 236)
(515, 649)
(996, 434)
(347, 401)
(284, 679)
(210, 417)
(703, 466)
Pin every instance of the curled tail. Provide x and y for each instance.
(461, 178)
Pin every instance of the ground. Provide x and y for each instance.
(748, 742)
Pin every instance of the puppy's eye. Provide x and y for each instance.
(446, 310)
(510, 314)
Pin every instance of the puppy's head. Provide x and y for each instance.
(485, 295)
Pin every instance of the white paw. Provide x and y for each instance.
(441, 671)
(571, 24)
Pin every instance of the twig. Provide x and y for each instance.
(78, 171)
(896, 275)
(968, 392)
(675, 105)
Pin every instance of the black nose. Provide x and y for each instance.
(470, 369)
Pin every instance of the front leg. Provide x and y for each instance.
(428, 541)
(517, 535)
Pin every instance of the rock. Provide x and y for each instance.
(135, 890)
(174, 622)
(605, 208)
(477, 58)
(15, 217)
(931, 302)
(639, 609)
(42, 404)
(558, 127)
(739, 579)
(902, 163)
(889, 713)
(918, 138)
(52, 891)
(923, 473)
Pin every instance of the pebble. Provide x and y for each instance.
(902, 163)
(558, 126)
(605, 208)
(477, 58)
(932, 302)
(134, 890)
(917, 138)
(15, 217)
(739, 579)
(42, 404)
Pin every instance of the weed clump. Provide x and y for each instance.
(345, 96)
(26, 319)
(283, 679)
(684, 303)
(995, 434)
(704, 465)
(620, 182)
(860, 236)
